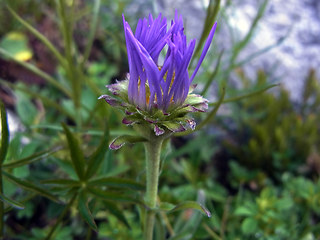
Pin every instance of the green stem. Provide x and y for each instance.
(153, 150)
(59, 220)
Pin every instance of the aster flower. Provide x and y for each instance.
(153, 93)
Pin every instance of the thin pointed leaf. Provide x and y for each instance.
(117, 182)
(192, 205)
(32, 158)
(46, 101)
(4, 133)
(120, 141)
(93, 29)
(97, 157)
(250, 94)
(38, 35)
(11, 202)
(85, 211)
(109, 195)
(211, 15)
(37, 71)
(62, 182)
(32, 187)
(114, 210)
(213, 75)
(212, 114)
(76, 153)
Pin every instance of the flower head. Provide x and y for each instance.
(159, 93)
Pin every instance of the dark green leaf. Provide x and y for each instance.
(114, 210)
(11, 202)
(63, 182)
(32, 158)
(244, 211)
(249, 225)
(85, 212)
(75, 153)
(4, 133)
(192, 205)
(120, 141)
(30, 186)
(117, 182)
(97, 157)
(110, 195)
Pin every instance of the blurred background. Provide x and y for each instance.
(255, 166)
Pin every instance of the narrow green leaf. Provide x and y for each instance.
(109, 195)
(192, 205)
(32, 158)
(38, 35)
(46, 101)
(212, 11)
(213, 112)
(251, 93)
(4, 133)
(85, 212)
(213, 75)
(97, 157)
(37, 71)
(30, 186)
(120, 141)
(11, 202)
(117, 182)
(93, 28)
(76, 153)
(63, 182)
(114, 210)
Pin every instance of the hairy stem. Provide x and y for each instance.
(153, 149)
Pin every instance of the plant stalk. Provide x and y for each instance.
(153, 150)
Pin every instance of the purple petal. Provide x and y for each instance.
(204, 51)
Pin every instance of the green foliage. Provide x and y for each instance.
(258, 181)
(271, 130)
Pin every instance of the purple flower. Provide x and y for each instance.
(159, 95)
(162, 86)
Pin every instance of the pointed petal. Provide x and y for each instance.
(204, 51)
